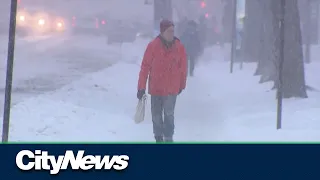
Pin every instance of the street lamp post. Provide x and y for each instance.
(10, 58)
(233, 35)
(281, 61)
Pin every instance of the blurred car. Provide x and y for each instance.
(121, 32)
(31, 21)
(89, 24)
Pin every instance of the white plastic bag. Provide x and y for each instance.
(141, 110)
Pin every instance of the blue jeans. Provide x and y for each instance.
(162, 110)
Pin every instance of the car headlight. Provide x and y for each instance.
(22, 18)
(41, 22)
(59, 24)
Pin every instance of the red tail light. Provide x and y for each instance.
(103, 22)
(207, 15)
(203, 4)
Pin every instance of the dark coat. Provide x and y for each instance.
(192, 41)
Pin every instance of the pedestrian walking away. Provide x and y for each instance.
(164, 66)
(191, 39)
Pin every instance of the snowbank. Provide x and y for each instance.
(250, 107)
(47, 119)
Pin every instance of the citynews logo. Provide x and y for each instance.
(41, 160)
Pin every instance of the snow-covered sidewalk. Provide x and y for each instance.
(100, 107)
(216, 106)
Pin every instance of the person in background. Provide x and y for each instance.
(181, 26)
(202, 29)
(165, 66)
(192, 41)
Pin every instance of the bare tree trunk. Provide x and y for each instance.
(276, 11)
(251, 31)
(305, 13)
(261, 39)
(307, 33)
(267, 67)
(227, 21)
(293, 66)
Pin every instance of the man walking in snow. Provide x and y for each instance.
(165, 66)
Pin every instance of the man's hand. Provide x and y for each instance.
(140, 93)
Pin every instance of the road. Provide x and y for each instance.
(44, 64)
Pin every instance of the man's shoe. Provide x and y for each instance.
(168, 140)
(159, 139)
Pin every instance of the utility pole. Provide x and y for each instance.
(234, 34)
(281, 61)
(10, 59)
(307, 32)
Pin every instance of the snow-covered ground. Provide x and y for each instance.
(47, 63)
(216, 106)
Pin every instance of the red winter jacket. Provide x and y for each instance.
(165, 67)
